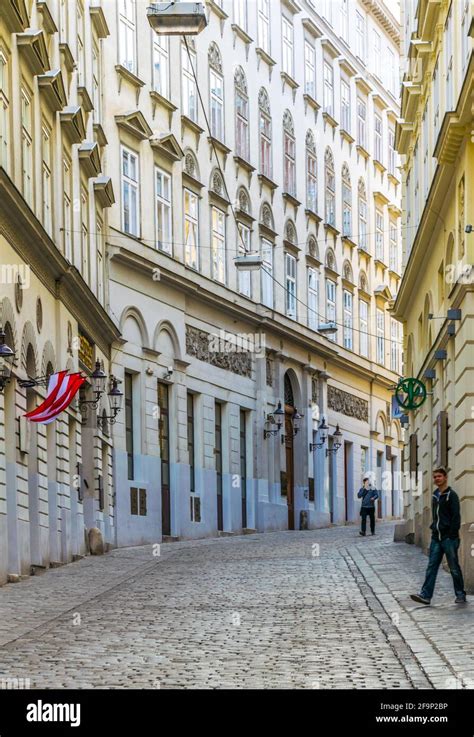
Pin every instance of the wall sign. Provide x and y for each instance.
(410, 393)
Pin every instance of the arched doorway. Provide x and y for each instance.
(289, 451)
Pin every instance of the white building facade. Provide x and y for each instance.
(293, 158)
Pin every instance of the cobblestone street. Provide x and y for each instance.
(316, 609)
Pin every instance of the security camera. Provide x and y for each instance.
(468, 228)
(169, 373)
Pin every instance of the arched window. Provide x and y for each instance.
(311, 173)
(330, 187)
(265, 133)
(241, 114)
(267, 283)
(289, 155)
(362, 216)
(216, 92)
(346, 202)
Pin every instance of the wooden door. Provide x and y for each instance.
(290, 496)
(164, 428)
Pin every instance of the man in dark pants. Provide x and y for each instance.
(445, 539)
(368, 496)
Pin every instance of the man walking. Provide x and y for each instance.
(445, 539)
(368, 496)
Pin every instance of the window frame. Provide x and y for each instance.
(133, 184)
(165, 206)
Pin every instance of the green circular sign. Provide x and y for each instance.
(410, 393)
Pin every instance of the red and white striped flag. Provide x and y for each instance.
(61, 391)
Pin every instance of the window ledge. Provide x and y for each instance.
(241, 33)
(288, 79)
(263, 179)
(69, 62)
(394, 274)
(158, 98)
(379, 262)
(348, 240)
(327, 117)
(311, 102)
(99, 134)
(288, 197)
(364, 252)
(332, 228)
(379, 166)
(220, 145)
(216, 8)
(244, 164)
(392, 178)
(192, 125)
(362, 151)
(313, 215)
(86, 100)
(262, 54)
(129, 76)
(346, 135)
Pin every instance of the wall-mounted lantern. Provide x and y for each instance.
(296, 424)
(337, 442)
(274, 418)
(7, 358)
(322, 429)
(115, 397)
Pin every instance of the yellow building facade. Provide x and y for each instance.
(436, 296)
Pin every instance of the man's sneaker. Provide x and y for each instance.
(362, 534)
(420, 599)
(460, 600)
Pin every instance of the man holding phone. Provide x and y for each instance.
(369, 497)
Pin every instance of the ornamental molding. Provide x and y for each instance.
(198, 345)
(240, 80)
(214, 58)
(263, 101)
(348, 404)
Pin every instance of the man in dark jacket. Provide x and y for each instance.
(445, 539)
(368, 496)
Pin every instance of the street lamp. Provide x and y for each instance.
(7, 358)
(296, 424)
(115, 397)
(275, 418)
(338, 442)
(177, 18)
(98, 377)
(322, 430)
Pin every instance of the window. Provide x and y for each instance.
(309, 70)
(241, 115)
(216, 91)
(311, 173)
(96, 84)
(26, 145)
(361, 122)
(364, 460)
(328, 95)
(345, 106)
(267, 273)
(81, 58)
(392, 81)
(264, 25)
(161, 64)
(127, 35)
(465, 38)
(4, 113)
(344, 8)
(362, 217)
(346, 202)
(130, 192)
(331, 303)
(240, 14)
(436, 115)
(265, 128)
(100, 261)
(47, 182)
(218, 245)
(189, 94)
(290, 278)
(67, 208)
(426, 154)
(378, 138)
(377, 53)
(243, 465)
(244, 277)
(63, 20)
(394, 347)
(191, 449)
(360, 37)
(163, 206)
(379, 233)
(191, 229)
(363, 328)
(289, 156)
(129, 430)
(313, 299)
(381, 337)
(348, 319)
(287, 46)
(330, 188)
(416, 169)
(218, 460)
(85, 243)
(391, 151)
(449, 60)
(393, 256)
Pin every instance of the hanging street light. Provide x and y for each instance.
(296, 424)
(322, 430)
(250, 261)
(7, 357)
(177, 18)
(275, 418)
(337, 442)
(98, 378)
(115, 397)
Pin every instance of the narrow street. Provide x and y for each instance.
(317, 609)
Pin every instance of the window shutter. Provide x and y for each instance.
(142, 493)
(133, 500)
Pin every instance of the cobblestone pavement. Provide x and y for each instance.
(314, 609)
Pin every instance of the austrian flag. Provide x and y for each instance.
(62, 389)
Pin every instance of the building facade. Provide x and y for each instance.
(434, 138)
(270, 132)
(55, 480)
